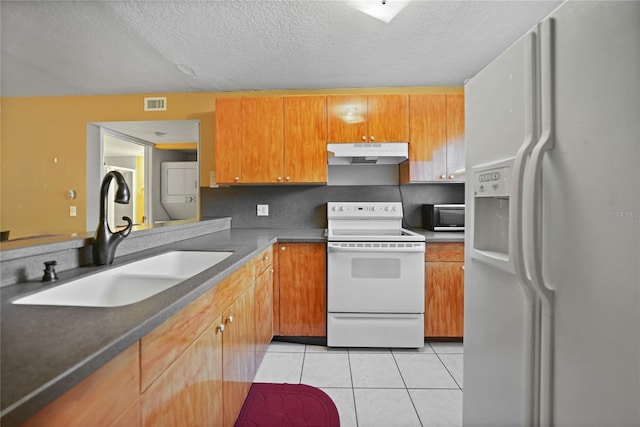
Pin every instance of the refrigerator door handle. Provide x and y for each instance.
(533, 227)
(532, 188)
(516, 243)
(519, 167)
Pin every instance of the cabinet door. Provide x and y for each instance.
(305, 139)
(347, 118)
(228, 143)
(161, 347)
(263, 313)
(262, 140)
(428, 137)
(92, 402)
(189, 392)
(302, 289)
(455, 137)
(444, 299)
(238, 354)
(388, 117)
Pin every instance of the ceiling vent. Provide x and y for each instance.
(155, 104)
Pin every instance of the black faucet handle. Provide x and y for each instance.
(50, 271)
(127, 230)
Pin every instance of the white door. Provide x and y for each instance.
(497, 366)
(591, 215)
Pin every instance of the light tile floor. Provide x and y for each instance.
(376, 387)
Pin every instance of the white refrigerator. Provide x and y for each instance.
(552, 245)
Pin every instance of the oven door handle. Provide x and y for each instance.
(386, 248)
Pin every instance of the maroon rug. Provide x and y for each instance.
(287, 405)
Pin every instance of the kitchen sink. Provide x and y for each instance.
(129, 283)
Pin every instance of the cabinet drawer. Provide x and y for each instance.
(263, 261)
(451, 251)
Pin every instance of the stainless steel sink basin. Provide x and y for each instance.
(129, 283)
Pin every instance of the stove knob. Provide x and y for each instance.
(386, 208)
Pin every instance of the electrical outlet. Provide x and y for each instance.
(263, 210)
(73, 211)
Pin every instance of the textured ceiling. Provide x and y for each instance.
(114, 47)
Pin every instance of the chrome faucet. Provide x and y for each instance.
(106, 241)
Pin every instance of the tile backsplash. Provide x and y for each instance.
(304, 206)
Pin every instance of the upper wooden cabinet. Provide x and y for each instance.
(270, 140)
(368, 118)
(305, 139)
(436, 140)
(262, 140)
(228, 154)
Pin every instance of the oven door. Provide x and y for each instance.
(375, 277)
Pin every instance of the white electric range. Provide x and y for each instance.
(375, 277)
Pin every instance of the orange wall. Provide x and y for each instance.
(37, 130)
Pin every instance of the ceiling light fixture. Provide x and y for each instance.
(384, 10)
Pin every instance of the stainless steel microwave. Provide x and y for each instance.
(443, 217)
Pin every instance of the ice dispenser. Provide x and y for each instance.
(491, 194)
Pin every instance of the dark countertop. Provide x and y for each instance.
(46, 350)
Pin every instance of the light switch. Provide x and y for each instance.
(73, 211)
(263, 210)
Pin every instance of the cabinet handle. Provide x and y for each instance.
(443, 177)
(266, 259)
(373, 138)
(237, 178)
(462, 267)
(288, 178)
(272, 270)
(282, 248)
(220, 328)
(364, 138)
(229, 319)
(279, 178)
(451, 177)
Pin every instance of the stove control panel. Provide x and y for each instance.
(364, 210)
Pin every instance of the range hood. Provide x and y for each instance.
(368, 153)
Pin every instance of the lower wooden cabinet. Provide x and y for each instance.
(302, 289)
(263, 290)
(195, 369)
(189, 392)
(93, 401)
(238, 354)
(444, 290)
